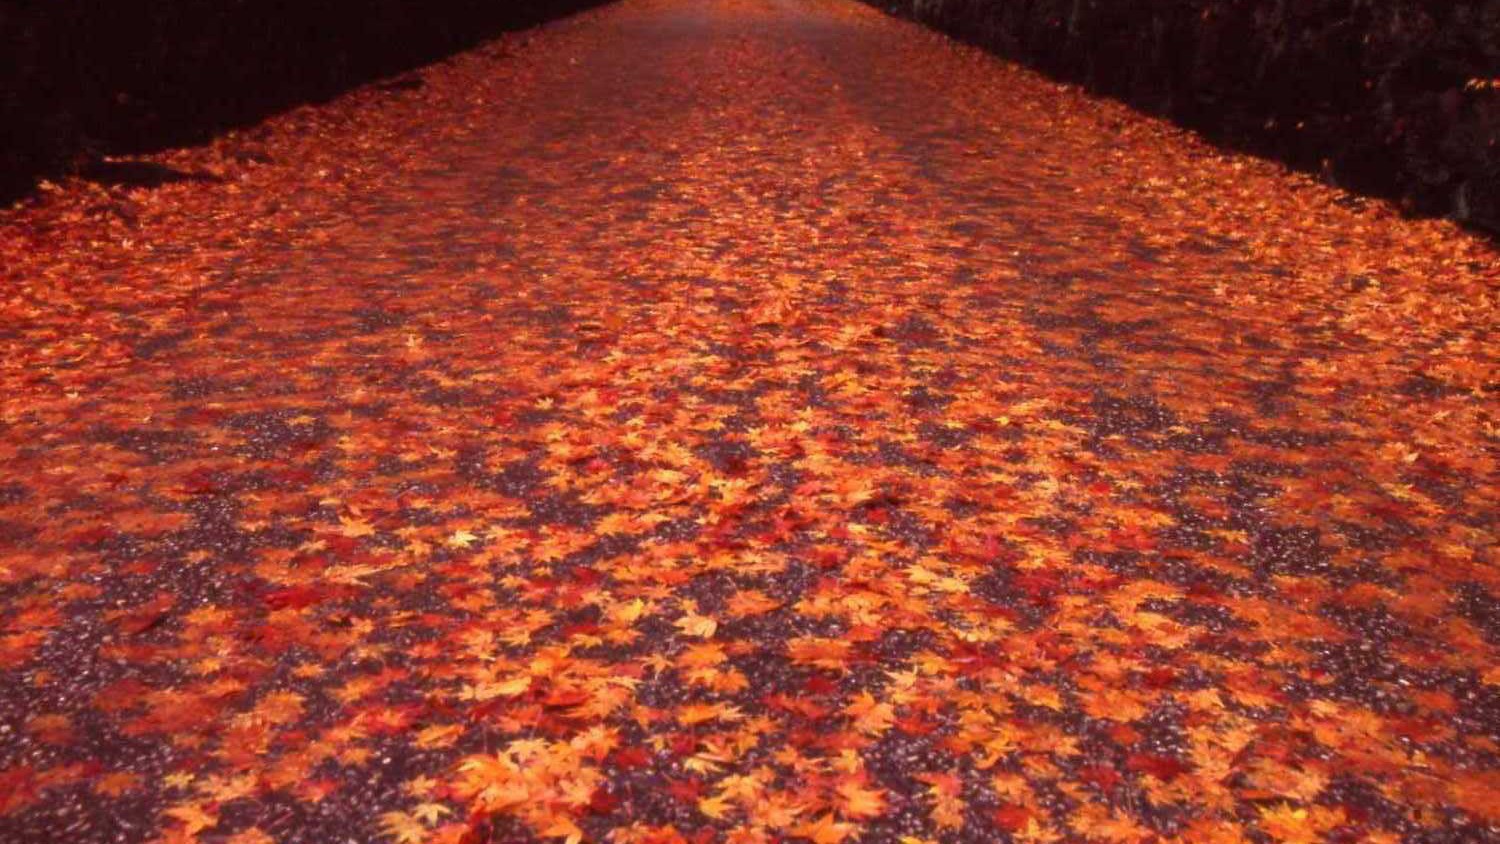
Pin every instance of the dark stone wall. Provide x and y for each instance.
(82, 78)
(1399, 98)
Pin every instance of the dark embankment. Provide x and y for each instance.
(80, 79)
(1397, 98)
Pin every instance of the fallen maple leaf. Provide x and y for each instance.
(825, 830)
(859, 802)
(402, 827)
(693, 624)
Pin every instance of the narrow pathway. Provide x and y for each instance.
(743, 421)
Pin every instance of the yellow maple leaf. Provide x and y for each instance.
(438, 735)
(430, 813)
(714, 807)
(627, 612)
(461, 538)
(1291, 824)
(402, 827)
(694, 624)
(193, 817)
(354, 527)
(503, 688)
(858, 802)
(1287, 823)
(1041, 695)
(871, 717)
(420, 786)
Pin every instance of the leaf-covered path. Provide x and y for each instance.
(742, 421)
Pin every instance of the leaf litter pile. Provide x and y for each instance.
(742, 421)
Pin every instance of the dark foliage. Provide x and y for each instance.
(1393, 97)
(83, 78)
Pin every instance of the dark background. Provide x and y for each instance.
(84, 78)
(1371, 94)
